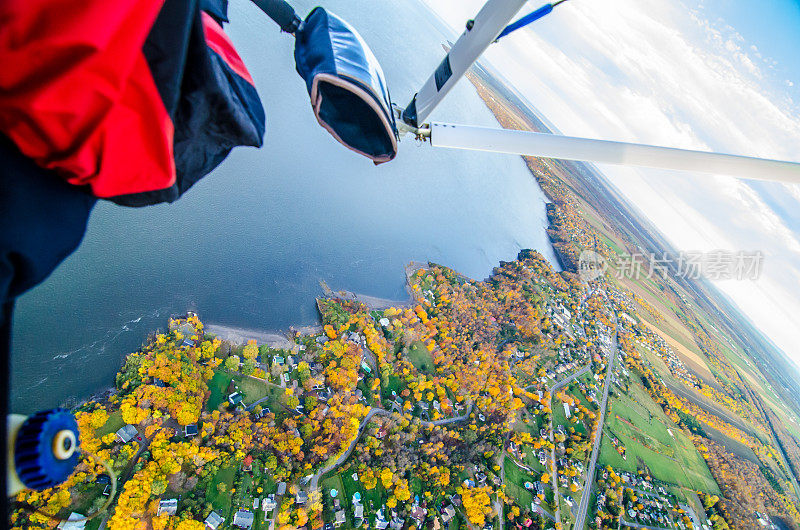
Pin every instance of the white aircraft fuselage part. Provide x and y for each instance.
(547, 145)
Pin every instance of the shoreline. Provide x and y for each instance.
(284, 339)
(237, 335)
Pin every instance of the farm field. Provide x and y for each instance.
(652, 442)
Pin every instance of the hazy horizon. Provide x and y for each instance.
(699, 75)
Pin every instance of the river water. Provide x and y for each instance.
(248, 245)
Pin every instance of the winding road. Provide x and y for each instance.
(375, 411)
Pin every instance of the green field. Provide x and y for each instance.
(394, 384)
(252, 389)
(420, 357)
(112, 424)
(559, 418)
(515, 480)
(343, 482)
(644, 430)
(221, 501)
(218, 387)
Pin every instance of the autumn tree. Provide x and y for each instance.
(232, 363)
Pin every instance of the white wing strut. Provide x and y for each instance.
(487, 25)
(620, 153)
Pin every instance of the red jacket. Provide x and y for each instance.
(135, 99)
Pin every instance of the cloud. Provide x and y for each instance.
(668, 73)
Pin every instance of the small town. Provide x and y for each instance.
(525, 401)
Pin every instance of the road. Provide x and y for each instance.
(568, 380)
(554, 470)
(538, 509)
(637, 525)
(374, 411)
(583, 507)
(564, 381)
(336, 463)
(554, 476)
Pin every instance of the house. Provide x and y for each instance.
(167, 507)
(191, 430)
(75, 521)
(235, 399)
(126, 434)
(301, 497)
(213, 521)
(380, 520)
(538, 487)
(381, 432)
(243, 519)
(448, 513)
(281, 488)
(268, 503)
(340, 518)
(418, 513)
(247, 463)
(358, 511)
(256, 502)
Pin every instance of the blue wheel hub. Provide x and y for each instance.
(46, 449)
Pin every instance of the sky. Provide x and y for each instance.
(699, 74)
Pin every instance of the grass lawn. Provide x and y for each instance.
(112, 424)
(515, 480)
(371, 499)
(575, 392)
(218, 387)
(259, 523)
(343, 482)
(221, 501)
(394, 384)
(420, 357)
(559, 418)
(333, 481)
(253, 389)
